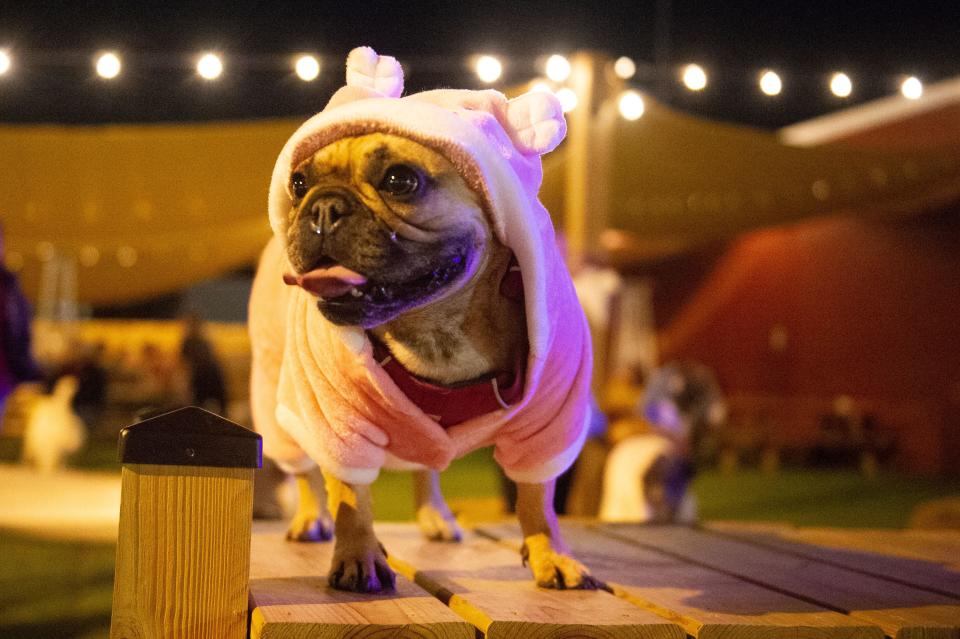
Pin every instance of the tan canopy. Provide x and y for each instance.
(672, 181)
(144, 210)
(148, 209)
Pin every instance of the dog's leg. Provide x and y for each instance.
(543, 548)
(359, 560)
(312, 521)
(433, 515)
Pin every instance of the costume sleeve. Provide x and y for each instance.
(540, 471)
(315, 409)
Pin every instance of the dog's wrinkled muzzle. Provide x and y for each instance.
(326, 282)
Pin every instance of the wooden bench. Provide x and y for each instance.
(667, 581)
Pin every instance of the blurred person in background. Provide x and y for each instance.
(162, 382)
(207, 386)
(16, 359)
(85, 364)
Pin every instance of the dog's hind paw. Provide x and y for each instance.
(361, 568)
(553, 569)
(310, 528)
(437, 526)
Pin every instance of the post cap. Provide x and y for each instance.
(190, 436)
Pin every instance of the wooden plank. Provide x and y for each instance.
(706, 603)
(941, 546)
(901, 611)
(922, 574)
(937, 546)
(290, 598)
(485, 583)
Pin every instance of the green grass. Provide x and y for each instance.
(98, 454)
(470, 477)
(54, 589)
(836, 498)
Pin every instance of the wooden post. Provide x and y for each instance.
(591, 138)
(581, 208)
(183, 552)
(590, 142)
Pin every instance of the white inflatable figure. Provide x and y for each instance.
(628, 495)
(53, 430)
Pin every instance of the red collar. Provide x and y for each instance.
(451, 405)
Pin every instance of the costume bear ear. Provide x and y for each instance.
(536, 123)
(381, 73)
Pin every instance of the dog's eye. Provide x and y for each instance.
(298, 184)
(400, 180)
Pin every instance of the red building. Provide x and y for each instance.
(864, 303)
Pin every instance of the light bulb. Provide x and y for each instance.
(631, 105)
(840, 85)
(108, 65)
(488, 69)
(770, 83)
(209, 66)
(558, 68)
(307, 68)
(694, 77)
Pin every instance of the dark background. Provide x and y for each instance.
(53, 81)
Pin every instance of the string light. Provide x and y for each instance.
(488, 69)
(631, 105)
(307, 68)
(541, 86)
(568, 99)
(108, 65)
(841, 85)
(558, 68)
(770, 83)
(624, 68)
(209, 66)
(694, 77)
(912, 88)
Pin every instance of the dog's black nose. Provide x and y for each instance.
(328, 209)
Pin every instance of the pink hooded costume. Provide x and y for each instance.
(319, 395)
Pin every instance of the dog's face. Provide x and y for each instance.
(391, 220)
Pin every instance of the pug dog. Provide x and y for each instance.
(395, 242)
(450, 254)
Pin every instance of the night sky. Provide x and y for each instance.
(53, 81)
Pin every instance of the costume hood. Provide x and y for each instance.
(329, 379)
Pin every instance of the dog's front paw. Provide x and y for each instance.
(361, 566)
(437, 525)
(554, 569)
(310, 527)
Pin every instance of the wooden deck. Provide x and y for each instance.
(669, 582)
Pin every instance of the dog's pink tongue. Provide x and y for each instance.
(327, 282)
